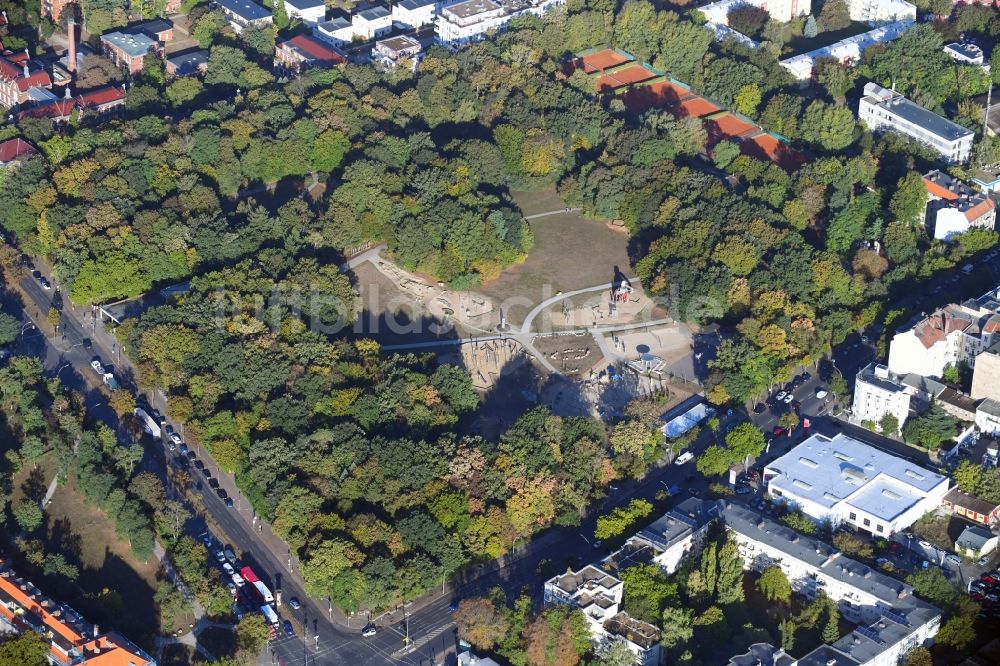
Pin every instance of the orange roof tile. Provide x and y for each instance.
(980, 209)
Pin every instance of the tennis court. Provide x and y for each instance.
(622, 78)
(602, 60)
(695, 107)
(727, 126)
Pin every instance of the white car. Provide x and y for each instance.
(925, 544)
(953, 558)
(781, 396)
(97, 366)
(369, 631)
(821, 393)
(228, 568)
(983, 561)
(238, 580)
(220, 556)
(175, 438)
(789, 399)
(683, 458)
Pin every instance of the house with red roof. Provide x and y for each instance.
(954, 207)
(71, 639)
(17, 79)
(12, 151)
(304, 52)
(101, 104)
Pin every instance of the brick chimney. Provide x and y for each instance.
(71, 30)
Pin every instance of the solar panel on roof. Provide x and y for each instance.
(870, 633)
(895, 616)
(687, 520)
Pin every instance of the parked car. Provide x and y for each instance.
(97, 366)
(369, 631)
(683, 458)
(213, 483)
(288, 629)
(953, 558)
(759, 408)
(294, 603)
(231, 586)
(780, 397)
(184, 449)
(221, 492)
(229, 502)
(983, 561)
(45, 283)
(220, 556)
(228, 568)
(175, 438)
(743, 490)
(821, 392)
(778, 431)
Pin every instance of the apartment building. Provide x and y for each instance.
(372, 22)
(881, 11)
(599, 596)
(677, 533)
(878, 391)
(954, 334)
(338, 31)
(781, 11)
(415, 13)
(890, 619)
(243, 14)
(72, 640)
(310, 12)
(472, 20)
(954, 208)
(848, 483)
(401, 47)
(882, 109)
(988, 416)
(847, 51)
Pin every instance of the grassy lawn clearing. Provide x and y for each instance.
(570, 253)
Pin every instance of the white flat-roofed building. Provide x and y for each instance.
(883, 109)
(954, 207)
(415, 13)
(338, 31)
(847, 482)
(243, 14)
(468, 21)
(881, 11)
(372, 22)
(878, 391)
(393, 49)
(309, 12)
(781, 11)
(847, 51)
(965, 52)
(891, 619)
(471, 20)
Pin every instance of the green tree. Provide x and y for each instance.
(676, 625)
(832, 127)
(714, 461)
(851, 545)
(774, 586)
(889, 425)
(252, 634)
(748, 99)
(833, 16)
(957, 632)
(10, 327)
(615, 653)
(932, 585)
(831, 630)
(482, 622)
(909, 198)
(28, 515)
(810, 29)
(647, 592)
(24, 649)
(931, 429)
(968, 476)
(919, 656)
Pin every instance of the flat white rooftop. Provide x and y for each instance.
(827, 471)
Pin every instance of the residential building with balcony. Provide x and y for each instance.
(310, 12)
(337, 31)
(965, 52)
(71, 639)
(848, 483)
(781, 11)
(243, 14)
(879, 391)
(882, 109)
(677, 533)
(401, 47)
(890, 619)
(881, 11)
(415, 13)
(953, 334)
(472, 20)
(372, 22)
(954, 208)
